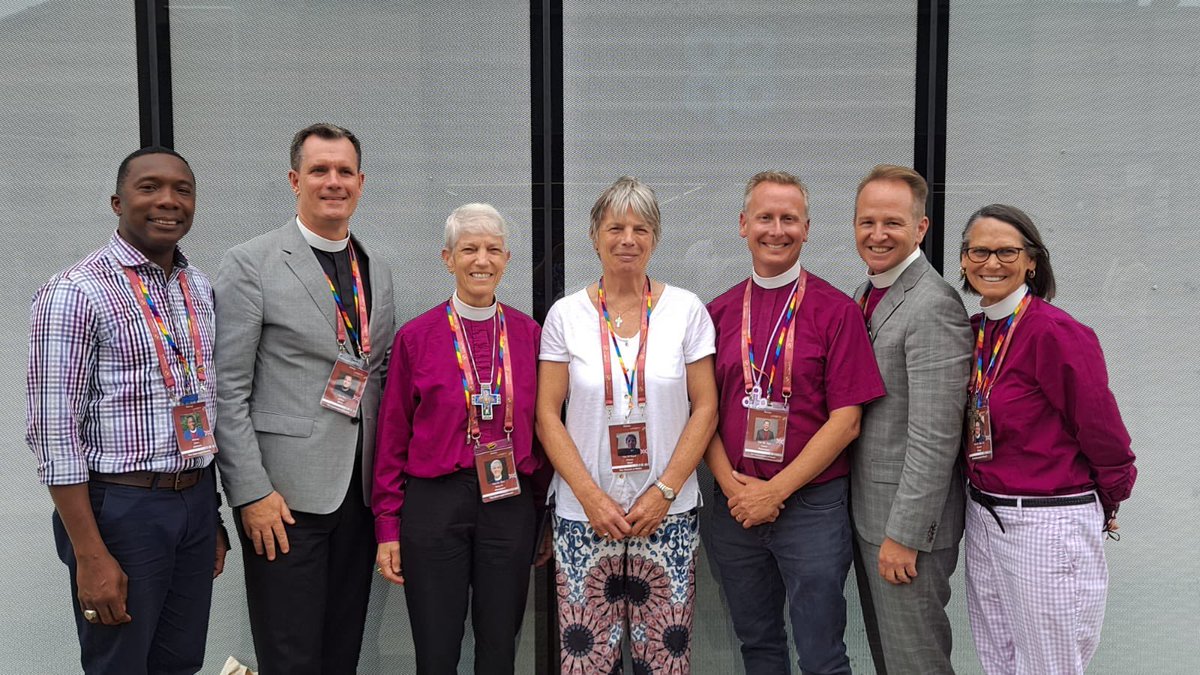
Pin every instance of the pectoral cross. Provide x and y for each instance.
(485, 400)
(619, 321)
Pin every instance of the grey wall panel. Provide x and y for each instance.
(694, 98)
(69, 75)
(438, 93)
(1086, 116)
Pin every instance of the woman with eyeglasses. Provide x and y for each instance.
(1048, 459)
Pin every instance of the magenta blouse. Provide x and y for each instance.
(422, 426)
(1056, 429)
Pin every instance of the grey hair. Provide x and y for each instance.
(475, 219)
(627, 194)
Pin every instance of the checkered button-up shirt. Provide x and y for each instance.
(97, 401)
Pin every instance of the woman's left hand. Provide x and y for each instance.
(647, 512)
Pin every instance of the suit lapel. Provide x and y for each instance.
(892, 300)
(298, 256)
(374, 273)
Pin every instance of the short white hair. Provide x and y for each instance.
(475, 219)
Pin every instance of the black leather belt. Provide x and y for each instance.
(990, 502)
(152, 480)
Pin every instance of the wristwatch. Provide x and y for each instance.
(667, 492)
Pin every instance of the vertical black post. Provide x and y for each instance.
(154, 73)
(546, 80)
(929, 152)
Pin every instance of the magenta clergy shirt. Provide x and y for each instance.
(834, 367)
(1056, 429)
(423, 415)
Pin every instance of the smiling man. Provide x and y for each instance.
(117, 354)
(791, 350)
(299, 310)
(907, 495)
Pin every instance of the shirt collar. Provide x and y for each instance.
(473, 313)
(128, 256)
(321, 243)
(887, 278)
(778, 281)
(1007, 306)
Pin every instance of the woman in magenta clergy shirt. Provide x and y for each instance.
(445, 532)
(1050, 467)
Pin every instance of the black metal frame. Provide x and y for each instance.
(546, 190)
(929, 125)
(155, 107)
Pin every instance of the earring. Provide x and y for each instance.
(962, 273)
(1031, 273)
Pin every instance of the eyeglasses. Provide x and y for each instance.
(979, 254)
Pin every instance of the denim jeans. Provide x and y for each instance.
(803, 557)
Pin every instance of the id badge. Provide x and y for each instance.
(766, 433)
(627, 447)
(978, 435)
(497, 470)
(193, 431)
(346, 385)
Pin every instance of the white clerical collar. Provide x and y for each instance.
(473, 313)
(321, 243)
(778, 281)
(886, 279)
(1007, 306)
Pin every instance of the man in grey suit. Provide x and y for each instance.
(299, 308)
(906, 489)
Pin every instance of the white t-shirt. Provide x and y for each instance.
(681, 332)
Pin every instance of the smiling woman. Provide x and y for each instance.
(457, 412)
(634, 353)
(1047, 457)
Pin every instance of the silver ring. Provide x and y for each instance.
(91, 615)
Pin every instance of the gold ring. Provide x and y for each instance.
(91, 615)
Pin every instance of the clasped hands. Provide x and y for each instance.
(752, 501)
(610, 521)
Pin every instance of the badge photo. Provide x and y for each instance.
(344, 390)
(977, 437)
(192, 430)
(766, 432)
(497, 471)
(627, 446)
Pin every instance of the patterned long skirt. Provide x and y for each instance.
(648, 583)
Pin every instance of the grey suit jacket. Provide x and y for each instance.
(905, 481)
(276, 345)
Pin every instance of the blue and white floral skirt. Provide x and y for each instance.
(647, 582)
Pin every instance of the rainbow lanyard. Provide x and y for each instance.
(362, 345)
(503, 372)
(608, 334)
(752, 374)
(984, 380)
(154, 319)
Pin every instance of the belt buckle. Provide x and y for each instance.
(175, 483)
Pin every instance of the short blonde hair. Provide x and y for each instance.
(778, 177)
(901, 174)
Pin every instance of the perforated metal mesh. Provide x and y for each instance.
(694, 98)
(69, 76)
(1085, 115)
(438, 94)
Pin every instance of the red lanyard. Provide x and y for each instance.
(468, 377)
(363, 345)
(159, 331)
(608, 335)
(786, 344)
(984, 380)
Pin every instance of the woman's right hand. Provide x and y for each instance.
(605, 516)
(387, 560)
